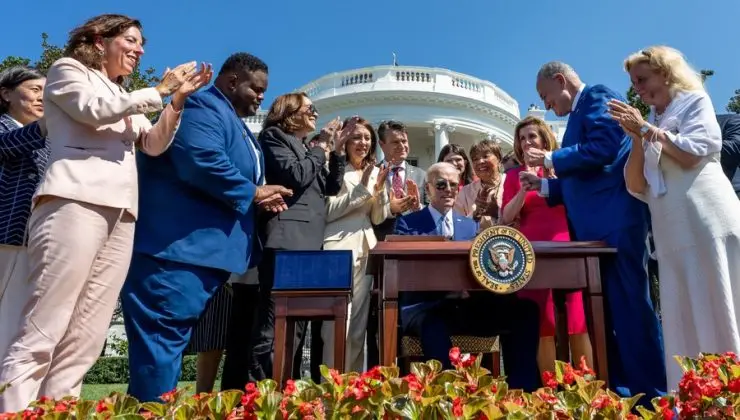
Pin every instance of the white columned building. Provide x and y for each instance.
(438, 106)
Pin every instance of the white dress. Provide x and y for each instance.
(696, 228)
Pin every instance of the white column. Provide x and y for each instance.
(441, 137)
(379, 155)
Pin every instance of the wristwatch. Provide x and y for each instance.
(644, 129)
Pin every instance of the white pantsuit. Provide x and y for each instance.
(81, 229)
(350, 218)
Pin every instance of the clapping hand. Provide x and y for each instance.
(628, 117)
(343, 135)
(270, 198)
(534, 157)
(530, 181)
(413, 191)
(191, 84)
(402, 204)
(382, 177)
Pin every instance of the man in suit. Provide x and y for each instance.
(434, 317)
(197, 224)
(590, 183)
(394, 141)
(730, 159)
(290, 163)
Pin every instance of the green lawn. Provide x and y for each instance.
(96, 391)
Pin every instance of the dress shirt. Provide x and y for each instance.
(544, 189)
(440, 220)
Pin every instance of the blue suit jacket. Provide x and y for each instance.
(196, 199)
(590, 170)
(422, 223)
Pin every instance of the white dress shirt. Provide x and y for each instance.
(444, 224)
(544, 188)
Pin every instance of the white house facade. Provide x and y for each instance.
(438, 106)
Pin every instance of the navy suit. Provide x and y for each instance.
(434, 318)
(196, 227)
(589, 166)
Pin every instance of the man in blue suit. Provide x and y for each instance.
(196, 224)
(590, 183)
(434, 317)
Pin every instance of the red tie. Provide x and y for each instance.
(396, 182)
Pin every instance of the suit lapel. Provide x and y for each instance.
(245, 133)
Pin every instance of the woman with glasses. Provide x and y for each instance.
(290, 163)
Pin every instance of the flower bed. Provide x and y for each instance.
(710, 388)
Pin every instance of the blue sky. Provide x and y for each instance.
(504, 41)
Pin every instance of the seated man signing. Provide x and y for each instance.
(435, 316)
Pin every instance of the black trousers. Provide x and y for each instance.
(251, 338)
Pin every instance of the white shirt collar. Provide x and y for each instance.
(578, 96)
(436, 215)
(401, 165)
(14, 120)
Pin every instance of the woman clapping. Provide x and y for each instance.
(81, 228)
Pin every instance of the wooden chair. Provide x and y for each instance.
(309, 285)
(411, 349)
(297, 305)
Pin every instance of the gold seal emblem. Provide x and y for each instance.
(502, 259)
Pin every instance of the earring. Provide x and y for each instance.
(101, 53)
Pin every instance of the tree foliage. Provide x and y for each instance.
(734, 104)
(50, 53)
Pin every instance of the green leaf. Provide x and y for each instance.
(572, 399)
(645, 413)
(628, 403)
(158, 409)
(560, 369)
(266, 386)
(183, 412)
(84, 409)
(128, 416)
(390, 372)
(231, 399)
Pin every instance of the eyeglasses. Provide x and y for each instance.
(312, 110)
(443, 184)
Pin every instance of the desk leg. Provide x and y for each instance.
(340, 333)
(390, 333)
(596, 319)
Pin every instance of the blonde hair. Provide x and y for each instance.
(671, 63)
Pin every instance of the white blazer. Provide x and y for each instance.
(94, 128)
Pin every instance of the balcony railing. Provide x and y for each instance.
(404, 78)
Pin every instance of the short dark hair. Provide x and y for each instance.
(242, 61)
(390, 125)
(12, 77)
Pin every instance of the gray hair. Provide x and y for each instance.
(437, 168)
(549, 70)
(12, 77)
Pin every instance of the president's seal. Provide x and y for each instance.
(502, 259)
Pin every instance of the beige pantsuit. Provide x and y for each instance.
(13, 282)
(81, 229)
(350, 218)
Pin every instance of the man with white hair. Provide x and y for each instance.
(435, 316)
(590, 183)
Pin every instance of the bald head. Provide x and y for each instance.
(557, 85)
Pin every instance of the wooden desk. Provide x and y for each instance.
(444, 266)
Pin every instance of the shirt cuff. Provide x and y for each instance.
(544, 188)
(548, 160)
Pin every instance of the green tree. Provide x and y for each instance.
(50, 53)
(734, 104)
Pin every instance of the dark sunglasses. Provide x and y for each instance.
(443, 184)
(312, 110)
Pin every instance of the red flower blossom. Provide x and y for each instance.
(601, 402)
(584, 368)
(457, 407)
(734, 386)
(169, 397)
(290, 388)
(548, 379)
(101, 407)
(335, 376)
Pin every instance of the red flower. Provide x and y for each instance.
(583, 367)
(249, 397)
(101, 407)
(457, 407)
(548, 379)
(335, 376)
(169, 397)
(601, 402)
(734, 386)
(455, 356)
(290, 388)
